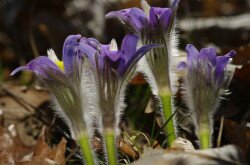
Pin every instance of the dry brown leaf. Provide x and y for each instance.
(37, 160)
(218, 156)
(12, 109)
(128, 150)
(44, 155)
(237, 134)
(11, 148)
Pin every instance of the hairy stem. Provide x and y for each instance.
(167, 111)
(109, 136)
(86, 149)
(204, 135)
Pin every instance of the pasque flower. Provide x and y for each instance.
(72, 88)
(89, 82)
(205, 85)
(155, 25)
(113, 68)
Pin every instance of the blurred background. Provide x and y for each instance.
(29, 27)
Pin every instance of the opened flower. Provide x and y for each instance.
(205, 85)
(152, 25)
(155, 25)
(67, 81)
(114, 67)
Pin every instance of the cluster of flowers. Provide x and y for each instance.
(88, 85)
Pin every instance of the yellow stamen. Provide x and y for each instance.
(60, 64)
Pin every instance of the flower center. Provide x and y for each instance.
(52, 56)
(60, 64)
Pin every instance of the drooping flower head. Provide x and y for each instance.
(205, 81)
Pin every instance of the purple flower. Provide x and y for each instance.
(121, 60)
(67, 80)
(153, 25)
(151, 18)
(40, 66)
(72, 56)
(205, 84)
(113, 68)
(207, 63)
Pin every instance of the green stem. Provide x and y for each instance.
(166, 105)
(204, 135)
(110, 146)
(86, 149)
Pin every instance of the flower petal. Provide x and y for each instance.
(69, 51)
(182, 65)
(40, 66)
(133, 17)
(89, 51)
(128, 46)
(192, 52)
(209, 54)
(126, 68)
(113, 56)
(175, 4)
(159, 15)
(221, 64)
(19, 69)
(230, 54)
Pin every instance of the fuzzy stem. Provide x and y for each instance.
(204, 135)
(109, 136)
(86, 149)
(166, 105)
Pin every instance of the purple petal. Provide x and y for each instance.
(19, 69)
(91, 42)
(230, 54)
(221, 64)
(192, 52)
(113, 56)
(69, 51)
(40, 66)
(89, 51)
(173, 15)
(182, 65)
(159, 15)
(129, 44)
(133, 17)
(126, 67)
(208, 54)
(175, 4)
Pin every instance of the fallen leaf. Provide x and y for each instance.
(219, 156)
(44, 155)
(237, 134)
